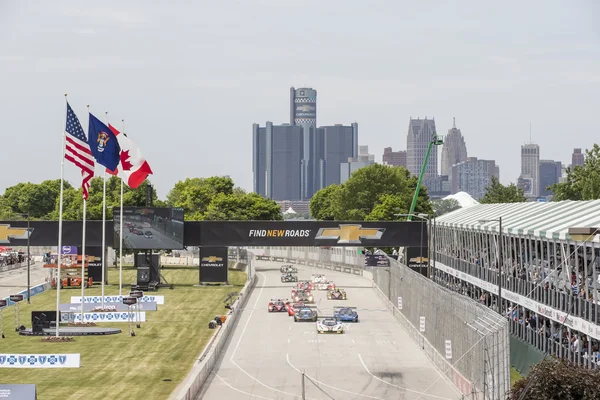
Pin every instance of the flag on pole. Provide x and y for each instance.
(103, 143)
(133, 168)
(78, 151)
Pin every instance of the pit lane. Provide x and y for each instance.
(373, 359)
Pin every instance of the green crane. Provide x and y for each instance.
(435, 141)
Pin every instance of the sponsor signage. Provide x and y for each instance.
(39, 360)
(129, 301)
(376, 260)
(3, 303)
(118, 299)
(310, 233)
(576, 323)
(69, 250)
(102, 317)
(15, 298)
(421, 324)
(213, 264)
(45, 233)
(399, 303)
(138, 294)
(448, 350)
(18, 392)
(417, 260)
(95, 307)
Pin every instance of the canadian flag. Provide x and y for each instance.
(133, 168)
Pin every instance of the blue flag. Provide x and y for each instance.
(103, 144)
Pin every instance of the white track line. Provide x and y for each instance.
(241, 391)
(401, 387)
(240, 341)
(287, 356)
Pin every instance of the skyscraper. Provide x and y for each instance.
(394, 158)
(420, 134)
(578, 158)
(355, 163)
(474, 176)
(550, 173)
(341, 143)
(276, 161)
(454, 150)
(530, 170)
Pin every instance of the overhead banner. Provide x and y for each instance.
(310, 233)
(102, 316)
(39, 360)
(213, 264)
(45, 233)
(117, 299)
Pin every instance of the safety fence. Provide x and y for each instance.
(193, 384)
(467, 342)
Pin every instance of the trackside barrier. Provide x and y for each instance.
(192, 385)
(33, 290)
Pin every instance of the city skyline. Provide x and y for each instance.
(238, 65)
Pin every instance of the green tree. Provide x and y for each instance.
(196, 194)
(375, 192)
(242, 207)
(36, 199)
(582, 182)
(555, 379)
(498, 193)
(323, 203)
(444, 206)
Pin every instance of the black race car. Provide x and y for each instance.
(288, 268)
(289, 277)
(306, 314)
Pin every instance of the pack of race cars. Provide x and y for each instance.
(302, 309)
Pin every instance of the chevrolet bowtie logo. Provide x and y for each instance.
(7, 232)
(212, 259)
(350, 233)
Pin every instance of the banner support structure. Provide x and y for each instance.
(60, 217)
(121, 233)
(103, 253)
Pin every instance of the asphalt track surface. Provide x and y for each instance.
(374, 359)
(14, 281)
(157, 241)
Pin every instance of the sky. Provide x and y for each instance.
(189, 78)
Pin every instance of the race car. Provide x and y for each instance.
(325, 286)
(306, 314)
(288, 268)
(336, 294)
(329, 325)
(304, 297)
(305, 285)
(318, 278)
(345, 314)
(289, 277)
(294, 308)
(278, 305)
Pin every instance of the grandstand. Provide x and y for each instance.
(550, 279)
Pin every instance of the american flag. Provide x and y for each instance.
(78, 150)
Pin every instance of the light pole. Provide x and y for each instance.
(423, 217)
(500, 258)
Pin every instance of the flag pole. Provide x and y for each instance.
(121, 233)
(83, 248)
(60, 218)
(103, 254)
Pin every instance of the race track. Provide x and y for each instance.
(373, 359)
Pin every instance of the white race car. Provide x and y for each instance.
(318, 278)
(329, 325)
(328, 285)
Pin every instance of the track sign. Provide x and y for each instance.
(136, 293)
(399, 303)
(15, 298)
(129, 301)
(3, 303)
(422, 324)
(448, 349)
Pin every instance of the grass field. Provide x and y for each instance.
(515, 376)
(147, 366)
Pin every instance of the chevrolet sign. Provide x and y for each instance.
(350, 234)
(7, 232)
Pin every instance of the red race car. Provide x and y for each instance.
(293, 309)
(305, 285)
(278, 305)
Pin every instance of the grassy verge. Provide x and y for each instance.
(515, 376)
(147, 366)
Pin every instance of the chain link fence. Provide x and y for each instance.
(469, 343)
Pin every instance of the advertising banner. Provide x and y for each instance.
(213, 264)
(311, 233)
(376, 260)
(95, 307)
(101, 316)
(69, 250)
(45, 233)
(39, 360)
(416, 259)
(24, 391)
(94, 256)
(117, 299)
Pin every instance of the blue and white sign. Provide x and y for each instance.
(102, 316)
(39, 361)
(68, 250)
(118, 299)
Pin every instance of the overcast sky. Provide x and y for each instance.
(190, 77)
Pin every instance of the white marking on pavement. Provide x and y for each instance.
(353, 341)
(289, 340)
(241, 391)
(400, 387)
(240, 341)
(287, 356)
